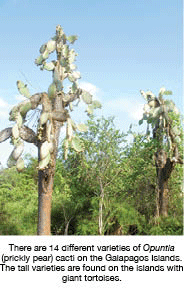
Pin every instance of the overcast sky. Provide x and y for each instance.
(123, 46)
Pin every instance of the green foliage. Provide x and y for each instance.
(167, 226)
(18, 198)
(124, 169)
(107, 185)
(139, 175)
(127, 174)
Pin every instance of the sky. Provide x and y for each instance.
(123, 46)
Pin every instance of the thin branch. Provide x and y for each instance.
(113, 178)
(23, 74)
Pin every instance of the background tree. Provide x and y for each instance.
(18, 202)
(164, 119)
(55, 110)
(66, 203)
(102, 158)
(139, 175)
(97, 176)
(129, 203)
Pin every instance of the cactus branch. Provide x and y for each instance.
(28, 135)
(5, 134)
(55, 107)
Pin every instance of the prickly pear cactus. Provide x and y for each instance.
(56, 105)
(157, 113)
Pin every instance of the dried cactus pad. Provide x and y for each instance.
(27, 134)
(20, 165)
(5, 134)
(44, 162)
(18, 150)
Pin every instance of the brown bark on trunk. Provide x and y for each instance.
(162, 196)
(45, 186)
(45, 189)
(46, 176)
(164, 167)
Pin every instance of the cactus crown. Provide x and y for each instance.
(56, 104)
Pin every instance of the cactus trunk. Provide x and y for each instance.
(164, 168)
(46, 179)
(56, 105)
(45, 189)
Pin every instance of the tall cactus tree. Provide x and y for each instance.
(56, 106)
(164, 119)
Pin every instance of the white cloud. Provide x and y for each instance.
(4, 108)
(92, 89)
(3, 114)
(130, 105)
(3, 103)
(5, 150)
(19, 97)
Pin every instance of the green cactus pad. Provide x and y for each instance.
(25, 107)
(20, 165)
(72, 56)
(71, 78)
(86, 97)
(89, 110)
(73, 66)
(45, 55)
(51, 46)
(72, 38)
(48, 66)
(77, 144)
(52, 91)
(76, 75)
(13, 113)
(74, 87)
(65, 50)
(96, 104)
(42, 48)
(82, 127)
(23, 89)
(39, 60)
(59, 85)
